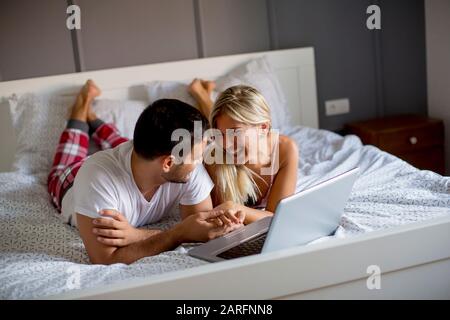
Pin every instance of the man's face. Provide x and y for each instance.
(180, 173)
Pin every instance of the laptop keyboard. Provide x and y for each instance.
(248, 248)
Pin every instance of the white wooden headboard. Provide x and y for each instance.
(294, 67)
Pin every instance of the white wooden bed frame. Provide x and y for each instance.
(414, 259)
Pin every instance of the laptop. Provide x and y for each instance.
(299, 219)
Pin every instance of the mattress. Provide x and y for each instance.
(41, 256)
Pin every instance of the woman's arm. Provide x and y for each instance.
(286, 179)
(283, 185)
(251, 215)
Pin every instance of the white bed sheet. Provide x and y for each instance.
(41, 256)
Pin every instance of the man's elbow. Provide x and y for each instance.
(101, 259)
(108, 259)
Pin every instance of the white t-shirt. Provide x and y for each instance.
(105, 181)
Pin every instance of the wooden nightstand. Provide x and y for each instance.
(416, 139)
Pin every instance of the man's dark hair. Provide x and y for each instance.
(153, 131)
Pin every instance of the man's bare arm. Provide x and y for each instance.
(205, 205)
(113, 229)
(196, 227)
(103, 254)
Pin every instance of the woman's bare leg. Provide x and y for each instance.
(82, 110)
(201, 91)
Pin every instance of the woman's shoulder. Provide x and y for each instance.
(288, 149)
(287, 144)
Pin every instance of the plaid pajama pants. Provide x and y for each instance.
(72, 151)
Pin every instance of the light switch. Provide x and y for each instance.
(339, 106)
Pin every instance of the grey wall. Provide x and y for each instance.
(34, 40)
(121, 33)
(381, 72)
(344, 47)
(233, 26)
(404, 56)
(438, 64)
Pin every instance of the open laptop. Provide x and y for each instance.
(301, 218)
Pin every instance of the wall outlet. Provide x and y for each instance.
(334, 107)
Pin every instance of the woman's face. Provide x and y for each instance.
(240, 139)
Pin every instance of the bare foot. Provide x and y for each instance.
(90, 91)
(201, 89)
(78, 112)
(208, 85)
(195, 88)
(82, 108)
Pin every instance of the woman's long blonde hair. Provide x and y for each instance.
(243, 104)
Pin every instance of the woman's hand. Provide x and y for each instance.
(205, 226)
(117, 231)
(232, 211)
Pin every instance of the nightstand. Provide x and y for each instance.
(416, 139)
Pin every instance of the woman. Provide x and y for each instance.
(247, 186)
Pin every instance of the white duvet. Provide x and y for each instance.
(41, 256)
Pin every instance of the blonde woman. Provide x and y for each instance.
(247, 186)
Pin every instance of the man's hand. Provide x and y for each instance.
(117, 232)
(111, 247)
(205, 226)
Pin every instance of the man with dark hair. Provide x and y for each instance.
(133, 183)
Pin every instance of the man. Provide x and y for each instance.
(113, 192)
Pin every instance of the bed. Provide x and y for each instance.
(397, 219)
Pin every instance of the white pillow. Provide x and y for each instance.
(169, 90)
(256, 73)
(39, 120)
(123, 113)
